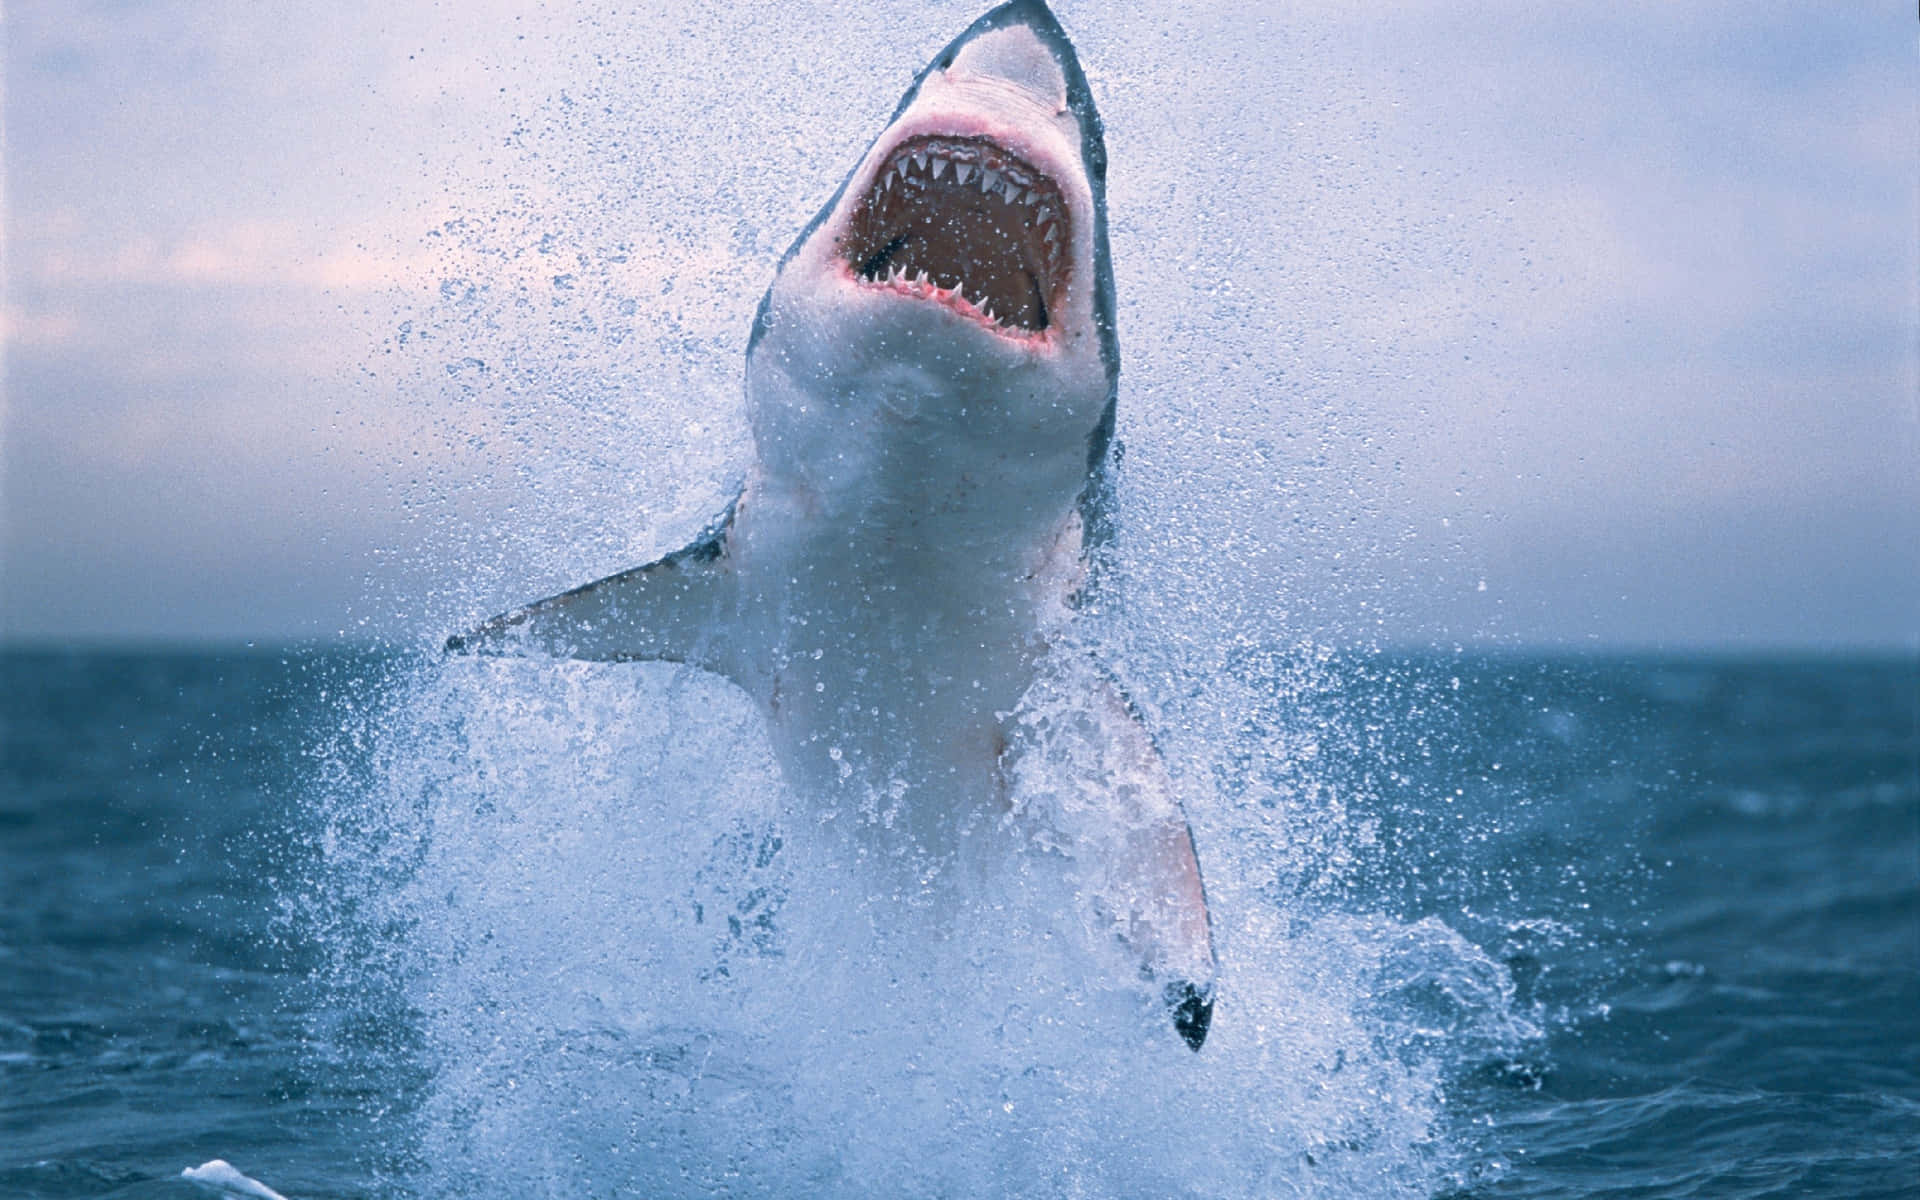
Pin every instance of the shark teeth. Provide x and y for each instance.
(930, 165)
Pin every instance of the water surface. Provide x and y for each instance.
(1491, 926)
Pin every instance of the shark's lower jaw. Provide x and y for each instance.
(967, 222)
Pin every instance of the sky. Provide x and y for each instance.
(1582, 325)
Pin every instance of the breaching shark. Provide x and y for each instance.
(931, 382)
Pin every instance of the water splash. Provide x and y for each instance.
(624, 958)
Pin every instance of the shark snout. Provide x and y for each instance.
(1019, 53)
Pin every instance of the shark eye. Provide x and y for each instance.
(969, 217)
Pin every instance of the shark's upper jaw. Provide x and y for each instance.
(968, 222)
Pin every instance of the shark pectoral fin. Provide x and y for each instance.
(668, 611)
(1148, 880)
(1171, 929)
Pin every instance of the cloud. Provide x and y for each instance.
(1384, 269)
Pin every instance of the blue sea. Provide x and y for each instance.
(378, 925)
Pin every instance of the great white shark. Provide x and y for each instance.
(931, 382)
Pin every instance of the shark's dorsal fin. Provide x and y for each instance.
(666, 611)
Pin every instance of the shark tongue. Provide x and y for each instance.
(969, 217)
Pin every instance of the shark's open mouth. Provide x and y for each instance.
(969, 218)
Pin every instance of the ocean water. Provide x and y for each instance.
(1490, 926)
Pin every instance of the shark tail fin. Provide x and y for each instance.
(666, 611)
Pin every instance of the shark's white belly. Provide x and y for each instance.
(902, 552)
(887, 665)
